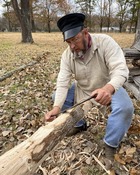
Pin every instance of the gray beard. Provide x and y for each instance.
(82, 52)
(79, 54)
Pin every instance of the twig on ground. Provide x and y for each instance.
(43, 170)
(9, 74)
(96, 159)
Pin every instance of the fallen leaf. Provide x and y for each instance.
(87, 149)
(5, 133)
(137, 143)
(118, 159)
(78, 172)
(130, 151)
(133, 171)
(88, 161)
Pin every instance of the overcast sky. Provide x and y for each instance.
(1, 8)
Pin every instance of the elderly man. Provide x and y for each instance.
(98, 66)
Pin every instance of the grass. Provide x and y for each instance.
(13, 53)
(4, 46)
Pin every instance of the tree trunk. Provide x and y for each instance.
(48, 21)
(136, 43)
(33, 25)
(33, 28)
(101, 24)
(109, 15)
(120, 27)
(25, 158)
(23, 16)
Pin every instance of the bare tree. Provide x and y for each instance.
(7, 4)
(109, 14)
(33, 28)
(132, 14)
(23, 15)
(87, 7)
(122, 14)
(136, 43)
(48, 10)
(101, 5)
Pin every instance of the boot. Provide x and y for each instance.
(110, 152)
(109, 156)
(80, 126)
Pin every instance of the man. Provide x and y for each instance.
(98, 66)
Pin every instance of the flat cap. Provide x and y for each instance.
(71, 24)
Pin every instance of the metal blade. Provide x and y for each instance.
(77, 104)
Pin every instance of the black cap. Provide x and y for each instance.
(71, 24)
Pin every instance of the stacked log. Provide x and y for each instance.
(132, 56)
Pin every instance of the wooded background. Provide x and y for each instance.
(41, 15)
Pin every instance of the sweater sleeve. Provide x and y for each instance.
(116, 63)
(63, 81)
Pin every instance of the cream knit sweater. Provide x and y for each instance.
(103, 63)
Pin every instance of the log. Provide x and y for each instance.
(133, 88)
(131, 53)
(136, 80)
(25, 158)
(9, 74)
(135, 71)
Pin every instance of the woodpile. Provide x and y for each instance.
(132, 56)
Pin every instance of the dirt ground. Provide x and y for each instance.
(27, 94)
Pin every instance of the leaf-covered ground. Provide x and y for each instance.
(25, 96)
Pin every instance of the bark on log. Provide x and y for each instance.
(130, 53)
(134, 89)
(134, 71)
(25, 158)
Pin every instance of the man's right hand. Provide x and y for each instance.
(51, 115)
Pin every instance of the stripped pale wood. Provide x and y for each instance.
(25, 158)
